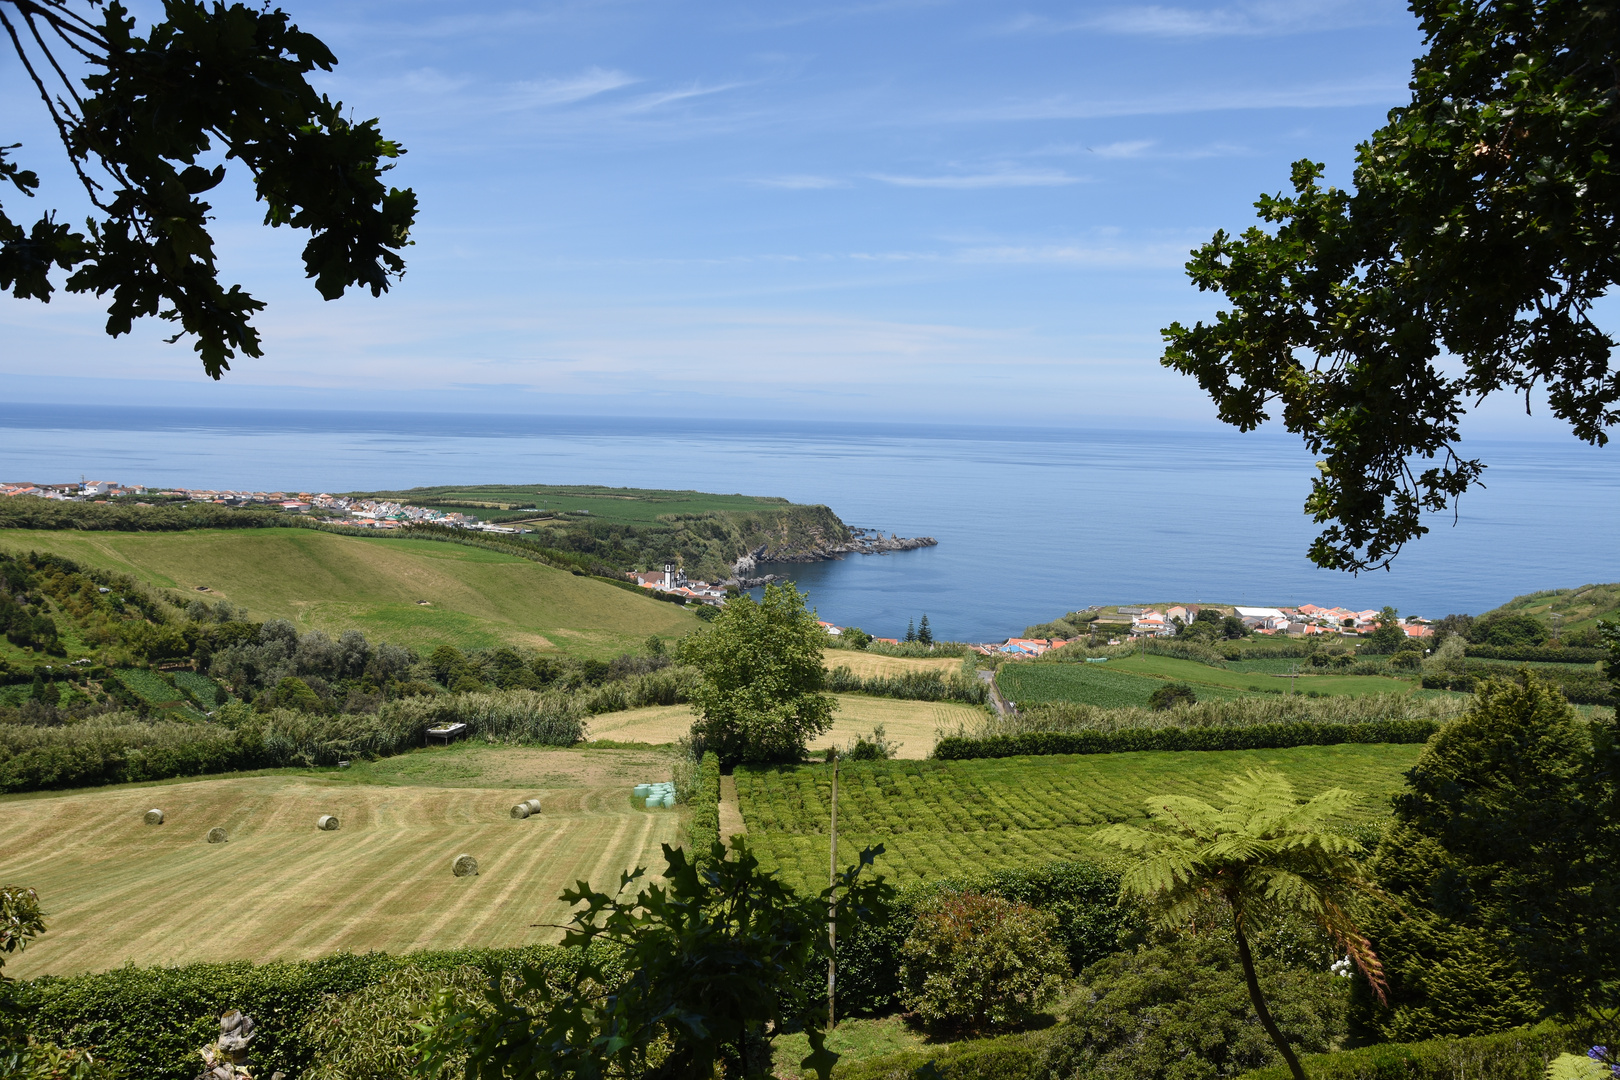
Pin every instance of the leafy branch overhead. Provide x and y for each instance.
(1479, 233)
(138, 129)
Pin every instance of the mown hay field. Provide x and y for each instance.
(948, 818)
(911, 723)
(873, 665)
(474, 598)
(119, 890)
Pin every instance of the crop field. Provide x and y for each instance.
(1129, 680)
(1103, 685)
(911, 723)
(118, 889)
(869, 665)
(200, 686)
(938, 818)
(418, 593)
(1203, 675)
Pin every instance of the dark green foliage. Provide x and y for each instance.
(703, 829)
(1256, 737)
(1582, 686)
(716, 964)
(29, 512)
(911, 631)
(1168, 697)
(1521, 1054)
(1009, 1057)
(223, 78)
(980, 963)
(1546, 654)
(925, 633)
(1508, 630)
(911, 686)
(1463, 260)
(1181, 1010)
(1388, 638)
(1501, 857)
(151, 1021)
(1082, 897)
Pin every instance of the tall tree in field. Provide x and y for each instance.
(759, 697)
(1263, 856)
(925, 633)
(1481, 228)
(209, 82)
(1503, 857)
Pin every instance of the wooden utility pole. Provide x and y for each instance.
(832, 901)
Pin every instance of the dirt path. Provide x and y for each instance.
(731, 819)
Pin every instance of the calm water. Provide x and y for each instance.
(1031, 523)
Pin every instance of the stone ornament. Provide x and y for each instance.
(226, 1058)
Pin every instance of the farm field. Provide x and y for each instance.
(637, 506)
(1130, 680)
(912, 723)
(474, 598)
(118, 889)
(957, 817)
(867, 665)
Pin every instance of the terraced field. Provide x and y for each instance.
(118, 889)
(955, 817)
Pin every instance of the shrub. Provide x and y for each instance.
(1007, 1057)
(1552, 654)
(1168, 697)
(1182, 1010)
(981, 963)
(1521, 1054)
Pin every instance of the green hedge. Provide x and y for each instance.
(152, 1021)
(704, 827)
(1580, 686)
(1550, 654)
(1258, 737)
(1010, 1057)
(1521, 1054)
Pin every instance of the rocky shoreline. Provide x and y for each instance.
(861, 542)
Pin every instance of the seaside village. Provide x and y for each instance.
(361, 513)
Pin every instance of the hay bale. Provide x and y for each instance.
(326, 823)
(464, 866)
(520, 811)
(533, 805)
(216, 835)
(154, 817)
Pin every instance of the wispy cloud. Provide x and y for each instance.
(540, 93)
(970, 181)
(1123, 149)
(1374, 90)
(1267, 19)
(799, 183)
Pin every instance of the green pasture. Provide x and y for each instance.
(948, 818)
(1323, 681)
(1130, 680)
(1579, 608)
(418, 593)
(635, 506)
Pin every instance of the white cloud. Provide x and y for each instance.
(539, 93)
(1123, 149)
(972, 181)
(1375, 90)
(1265, 19)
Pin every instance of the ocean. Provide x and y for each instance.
(1031, 522)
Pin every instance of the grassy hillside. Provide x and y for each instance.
(1580, 608)
(119, 889)
(939, 818)
(418, 593)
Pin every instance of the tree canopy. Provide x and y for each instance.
(204, 83)
(1480, 230)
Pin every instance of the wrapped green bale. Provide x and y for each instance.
(464, 866)
(154, 817)
(216, 835)
(326, 823)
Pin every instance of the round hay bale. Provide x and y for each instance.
(520, 811)
(327, 823)
(533, 805)
(154, 817)
(216, 835)
(464, 866)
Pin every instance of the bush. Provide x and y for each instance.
(1522, 1054)
(1168, 697)
(704, 826)
(1183, 1010)
(1547, 654)
(1128, 740)
(981, 963)
(1008, 1057)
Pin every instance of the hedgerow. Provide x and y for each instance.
(1257, 737)
(1221, 713)
(704, 827)
(1548, 654)
(1521, 1054)
(911, 686)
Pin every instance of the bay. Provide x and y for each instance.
(1031, 522)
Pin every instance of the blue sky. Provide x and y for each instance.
(907, 210)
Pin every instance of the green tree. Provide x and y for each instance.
(911, 630)
(1264, 857)
(1481, 226)
(1510, 629)
(1168, 697)
(722, 959)
(1389, 636)
(925, 633)
(205, 79)
(759, 692)
(981, 963)
(1232, 628)
(1501, 856)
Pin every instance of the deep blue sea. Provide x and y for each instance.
(1031, 522)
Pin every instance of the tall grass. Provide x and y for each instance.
(911, 686)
